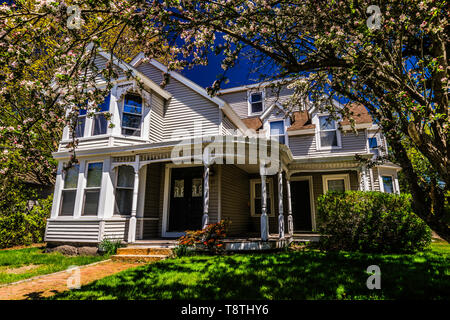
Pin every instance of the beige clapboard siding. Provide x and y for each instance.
(116, 229)
(235, 199)
(156, 133)
(238, 102)
(72, 231)
(150, 229)
(184, 108)
(152, 190)
(228, 127)
(305, 145)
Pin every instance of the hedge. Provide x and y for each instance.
(373, 222)
(22, 226)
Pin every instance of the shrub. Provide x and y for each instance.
(208, 239)
(370, 222)
(110, 246)
(22, 226)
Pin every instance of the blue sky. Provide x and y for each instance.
(205, 75)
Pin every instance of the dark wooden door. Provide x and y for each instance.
(186, 199)
(301, 205)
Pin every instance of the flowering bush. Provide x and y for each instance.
(209, 239)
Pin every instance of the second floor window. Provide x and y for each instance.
(328, 132)
(100, 121)
(256, 102)
(132, 115)
(81, 123)
(373, 146)
(277, 131)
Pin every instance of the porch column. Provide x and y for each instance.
(205, 218)
(264, 217)
(280, 205)
(290, 219)
(132, 225)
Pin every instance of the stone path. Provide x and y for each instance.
(48, 285)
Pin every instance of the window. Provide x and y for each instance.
(336, 182)
(100, 121)
(256, 102)
(124, 190)
(328, 132)
(388, 184)
(69, 191)
(132, 115)
(92, 191)
(277, 131)
(255, 194)
(81, 123)
(373, 146)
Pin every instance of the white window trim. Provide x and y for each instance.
(345, 177)
(142, 115)
(86, 188)
(377, 136)
(285, 125)
(249, 105)
(270, 194)
(316, 121)
(387, 173)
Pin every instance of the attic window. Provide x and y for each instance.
(256, 102)
(328, 132)
(100, 121)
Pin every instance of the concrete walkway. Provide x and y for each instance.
(48, 285)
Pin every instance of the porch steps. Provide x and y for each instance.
(141, 254)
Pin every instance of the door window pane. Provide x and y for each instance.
(336, 185)
(94, 176)
(197, 187)
(387, 184)
(91, 199)
(178, 190)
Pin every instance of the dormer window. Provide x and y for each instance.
(373, 146)
(256, 102)
(328, 134)
(100, 121)
(132, 115)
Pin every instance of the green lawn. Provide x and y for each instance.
(25, 263)
(289, 275)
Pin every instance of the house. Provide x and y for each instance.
(176, 159)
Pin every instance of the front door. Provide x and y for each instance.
(186, 199)
(301, 205)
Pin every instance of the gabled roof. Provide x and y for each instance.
(135, 73)
(229, 112)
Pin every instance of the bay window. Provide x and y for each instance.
(132, 115)
(388, 184)
(92, 190)
(100, 125)
(69, 191)
(336, 182)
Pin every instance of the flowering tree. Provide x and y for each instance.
(390, 56)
